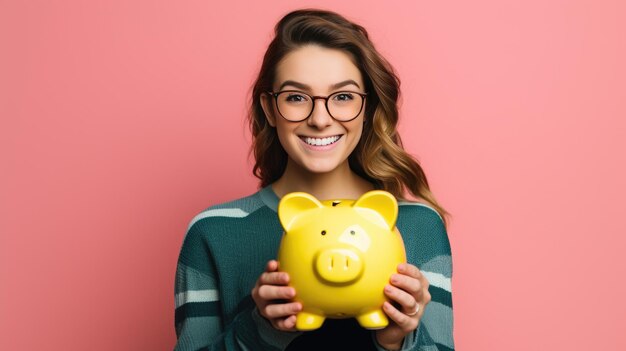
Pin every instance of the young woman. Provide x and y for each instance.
(323, 119)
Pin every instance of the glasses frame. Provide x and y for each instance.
(315, 97)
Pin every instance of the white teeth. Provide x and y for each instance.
(321, 141)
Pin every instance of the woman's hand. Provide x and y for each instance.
(409, 291)
(271, 295)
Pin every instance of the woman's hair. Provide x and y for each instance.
(379, 156)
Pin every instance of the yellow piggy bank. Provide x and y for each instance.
(340, 255)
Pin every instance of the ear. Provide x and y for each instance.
(268, 108)
(379, 206)
(292, 205)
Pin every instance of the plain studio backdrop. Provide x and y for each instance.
(121, 120)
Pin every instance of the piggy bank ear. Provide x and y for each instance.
(379, 206)
(292, 205)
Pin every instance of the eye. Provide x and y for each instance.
(323, 232)
(296, 98)
(343, 96)
(352, 232)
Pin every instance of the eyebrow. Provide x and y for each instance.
(306, 87)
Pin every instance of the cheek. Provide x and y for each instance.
(356, 131)
(357, 135)
(285, 134)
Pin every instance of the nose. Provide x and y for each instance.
(319, 117)
(339, 266)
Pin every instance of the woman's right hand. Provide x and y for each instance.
(272, 296)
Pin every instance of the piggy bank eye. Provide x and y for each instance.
(352, 232)
(323, 232)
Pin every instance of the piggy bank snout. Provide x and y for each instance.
(339, 265)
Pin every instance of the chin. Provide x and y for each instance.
(321, 168)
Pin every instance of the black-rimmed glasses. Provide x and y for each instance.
(296, 106)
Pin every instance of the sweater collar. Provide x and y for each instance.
(269, 197)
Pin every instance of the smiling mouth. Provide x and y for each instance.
(321, 141)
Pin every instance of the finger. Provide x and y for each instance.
(410, 270)
(406, 323)
(271, 266)
(281, 310)
(407, 302)
(274, 278)
(408, 283)
(286, 324)
(426, 297)
(273, 292)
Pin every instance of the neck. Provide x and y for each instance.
(340, 183)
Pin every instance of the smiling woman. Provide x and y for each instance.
(323, 118)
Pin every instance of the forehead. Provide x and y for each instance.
(317, 67)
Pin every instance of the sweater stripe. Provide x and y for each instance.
(438, 280)
(196, 309)
(188, 278)
(196, 296)
(219, 212)
(441, 264)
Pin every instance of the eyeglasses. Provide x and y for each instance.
(296, 106)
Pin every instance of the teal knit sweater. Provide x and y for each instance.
(227, 247)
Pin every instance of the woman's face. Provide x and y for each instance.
(320, 143)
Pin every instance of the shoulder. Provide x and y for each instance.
(417, 210)
(234, 209)
(422, 226)
(226, 218)
(220, 224)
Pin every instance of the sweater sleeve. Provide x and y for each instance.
(428, 247)
(436, 326)
(198, 314)
(199, 320)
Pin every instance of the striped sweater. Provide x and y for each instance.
(227, 247)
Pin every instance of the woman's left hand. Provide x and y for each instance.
(409, 291)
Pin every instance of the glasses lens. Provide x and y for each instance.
(344, 105)
(294, 106)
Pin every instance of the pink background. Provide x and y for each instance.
(121, 120)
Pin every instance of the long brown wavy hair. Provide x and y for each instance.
(379, 156)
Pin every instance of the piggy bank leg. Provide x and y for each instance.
(376, 319)
(308, 321)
